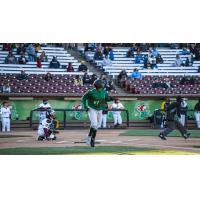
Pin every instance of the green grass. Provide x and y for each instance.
(155, 132)
(101, 150)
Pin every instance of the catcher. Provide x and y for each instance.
(94, 102)
(46, 129)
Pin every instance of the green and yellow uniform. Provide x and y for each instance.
(95, 99)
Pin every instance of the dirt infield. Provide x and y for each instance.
(72, 138)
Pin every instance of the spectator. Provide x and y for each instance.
(187, 80)
(38, 63)
(22, 59)
(7, 47)
(98, 55)
(54, 63)
(10, 59)
(104, 79)
(189, 61)
(162, 84)
(48, 77)
(122, 75)
(105, 51)
(31, 52)
(78, 81)
(70, 67)
(143, 47)
(109, 87)
(154, 52)
(185, 51)
(82, 67)
(130, 53)
(136, 74)
(43, 57)
(153, 64)
(111, 55)
(86, 78)
(167, 83)
(138, 58)
(146, 62)
(21, 49)
(6, 88)
(151, 60)
(93, 78)
(22, 76)
(178, 62)
(159, 59)
(106, 61)
(37, 47)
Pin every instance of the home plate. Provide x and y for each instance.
(132, 140)
(61, 142)
(115, 142)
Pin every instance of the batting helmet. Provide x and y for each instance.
(98, 84)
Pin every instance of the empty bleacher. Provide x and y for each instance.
(62, 56)
(121, 61)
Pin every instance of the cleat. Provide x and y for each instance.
(92, 143)
(161, 136)
(186, 136)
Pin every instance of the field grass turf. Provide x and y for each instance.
(155, 132)
(100, 150)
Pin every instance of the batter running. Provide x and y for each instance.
(94, 102)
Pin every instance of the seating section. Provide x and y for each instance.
(121, 61)
(144, 85)
(37, 84)
(62, 56)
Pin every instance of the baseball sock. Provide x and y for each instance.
(90, 132)
(94, 132)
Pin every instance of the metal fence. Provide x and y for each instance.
(65, 111)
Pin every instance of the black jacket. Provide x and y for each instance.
(172, 110)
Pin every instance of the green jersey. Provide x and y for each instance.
(96, 99)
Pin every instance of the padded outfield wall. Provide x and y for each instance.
(138, 109)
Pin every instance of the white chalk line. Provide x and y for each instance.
(168, 146)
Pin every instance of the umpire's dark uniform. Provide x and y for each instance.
(171, 122)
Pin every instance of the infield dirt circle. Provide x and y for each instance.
(73, 138)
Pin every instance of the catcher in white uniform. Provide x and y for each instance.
(5, 116)
(46, 129)
(117, 113)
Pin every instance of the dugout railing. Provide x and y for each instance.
(66, 111)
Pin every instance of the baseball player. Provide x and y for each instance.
(46, 128)
(164, 107)
(45, 105)
(5, 116)
(94, 102)
(104, 116)
(117, 113)
(183, 112)
(171, 123)
(197, 113)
